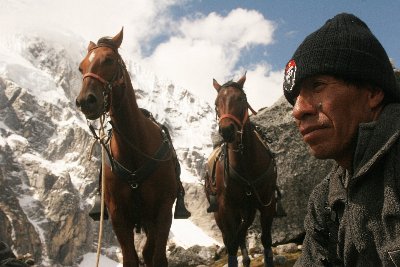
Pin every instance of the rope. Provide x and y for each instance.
(103, 158)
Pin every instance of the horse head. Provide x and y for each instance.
(102, 70)
(231, 108)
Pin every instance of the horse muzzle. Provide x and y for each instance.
(227, 133)
(90, 106)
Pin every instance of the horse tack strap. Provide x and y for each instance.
(237, 120)
(135, 178)
(95, 76)
(260, 178)
(253, 184)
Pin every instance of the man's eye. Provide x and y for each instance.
(318, 86)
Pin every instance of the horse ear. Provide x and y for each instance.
(117, 39)
(216, 85)
(91, 46)
(242, 80)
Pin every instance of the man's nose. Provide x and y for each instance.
(303, 106)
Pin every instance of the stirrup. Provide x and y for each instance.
(180, 210)
(280, 211)
(95, 212)
(213, 204)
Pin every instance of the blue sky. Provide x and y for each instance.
(296, 19)
(190, 42)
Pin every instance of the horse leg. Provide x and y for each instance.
(232, 261)
(154, 251)
(148, 249)
(268, 258)
(245, 255)
(230, 238)
(125, 238)
(248, 218)
(266, 237)
(231, 244)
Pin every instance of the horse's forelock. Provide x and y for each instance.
(232, 84)
(108, 42)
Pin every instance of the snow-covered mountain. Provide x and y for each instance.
(47, 180)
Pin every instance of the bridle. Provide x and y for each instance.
(239, 122)
(108, 85)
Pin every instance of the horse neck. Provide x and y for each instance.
(125, 114)
(253, 156)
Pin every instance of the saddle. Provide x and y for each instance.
(211, 166)
(210, 179)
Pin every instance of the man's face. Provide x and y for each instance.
(328, 112)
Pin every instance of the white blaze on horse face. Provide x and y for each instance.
(92, 55)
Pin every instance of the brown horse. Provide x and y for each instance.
(242, 175)
(142, 172)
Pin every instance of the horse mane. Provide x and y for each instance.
(107, 42)
(233, 84)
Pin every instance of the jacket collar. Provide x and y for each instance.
(375, 139)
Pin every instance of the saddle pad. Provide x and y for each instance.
(213, 158)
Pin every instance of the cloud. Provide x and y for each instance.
(263, 86)
(239, 28)
(190, 51)
(208, 47)
(142, 19)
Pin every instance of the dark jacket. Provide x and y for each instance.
(354, 220)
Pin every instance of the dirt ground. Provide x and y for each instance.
(258, 262)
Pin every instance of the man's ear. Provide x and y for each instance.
(375, 97)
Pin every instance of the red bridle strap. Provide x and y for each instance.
(238, 122)
(90, 74)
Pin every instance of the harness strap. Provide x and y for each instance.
(93, 75)
(253, 185)
(135, 178)
(235, 175)
(237, 120)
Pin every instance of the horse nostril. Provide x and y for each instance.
(91, 99)
(227, 133)
(77, 103)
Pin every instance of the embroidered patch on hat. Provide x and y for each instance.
(290, 76)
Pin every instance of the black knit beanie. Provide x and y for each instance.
(343, 47)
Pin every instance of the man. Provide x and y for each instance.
(346, 104)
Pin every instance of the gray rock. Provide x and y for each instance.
(298, 172)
